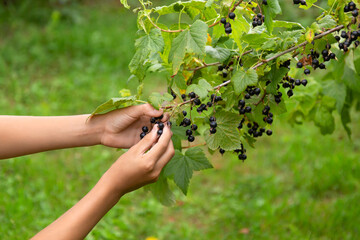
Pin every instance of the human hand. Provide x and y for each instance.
(122, 128)
(138, 166)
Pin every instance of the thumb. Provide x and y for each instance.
(150, 111)
(147, 142)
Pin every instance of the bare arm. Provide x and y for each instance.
(21, 135)
(132, 170)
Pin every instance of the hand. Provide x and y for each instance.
(138, 166)
(122, 127)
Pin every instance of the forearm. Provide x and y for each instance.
(77, 222)
(21, 135)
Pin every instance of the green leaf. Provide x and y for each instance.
(308, 5)
(345, 116)
(275, 76)
(124, 2)
(227, 136)
(218, 53)
(192, 40)
(350, 78)
(242, 79)
(146, 45)
(323, 116)
(327, 22)
(357, 60)
(161, 191)
(202, 88)
(114, 103)
(239, 27)
(181, 166)
(270, 11)
(337, 91)
(156, 99)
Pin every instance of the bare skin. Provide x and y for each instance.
(139, 166)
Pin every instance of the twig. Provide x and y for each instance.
(296, 47)
(204, 66)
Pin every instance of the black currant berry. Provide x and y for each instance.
(257, 91)
(241, 103)
(307, 71)
(290, 93)
(145, 129)
(212, 130)
(184, 113)
(248, 109)
(264, 2)
(161, 125)
(222, 151)
(337, 38)
(191, 138)
(302, 2)
(223, 20)
(213, 124)
(355, 13)
(220, 68)
(188, 132)
(269, 132)
(160, 131)
(212, 119)
(227, 25)
(325, 52)
(183, 96)
(192, 95)
(231, 15)
(142, 135)
(299, 65)
(247, 96)
(224, 74)
(322, 66)
(194, 127)
(228, 30)
(352, 5)
(152, 120)
(197, 101)
(242, 157)
(186, 122)
(343, 34)
(304, 82)
(332, 55)
(209, 104)
(218, 98)
(297, 82)
(269, 120)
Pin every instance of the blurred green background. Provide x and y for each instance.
(67, 57)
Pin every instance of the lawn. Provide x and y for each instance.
(296, 184)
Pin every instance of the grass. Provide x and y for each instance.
(297, 184)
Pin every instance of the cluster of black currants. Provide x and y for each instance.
(153, 120)
(351, 7)
(213, 124)
(289, 82)
(300, 65)
(256, 131)
(227, 25)
(286, 64)
(258, 20)
(225, 68)
(242, 108)
(268, 115)
(302, 2)
(349, 38)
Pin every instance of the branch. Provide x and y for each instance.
(298, 46)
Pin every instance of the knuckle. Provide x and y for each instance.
(148, 166)
(154, 176)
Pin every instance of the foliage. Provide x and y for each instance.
(262, 61)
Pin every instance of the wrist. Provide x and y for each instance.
(93, 129)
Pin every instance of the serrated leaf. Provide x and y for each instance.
(202, 88)
(350, 77)
(239, 27)
(192, 40)
(161, 191)
(275, 76)
(181, 166)
(114, 103)
(218, 53)
(227, 136)
(327, 22)
(242, 79)
(270, 11)
(145, 45)
(156, 99)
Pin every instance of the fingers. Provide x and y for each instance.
(147, 142)
(142, 110)
(166, 157)
(161, 146)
